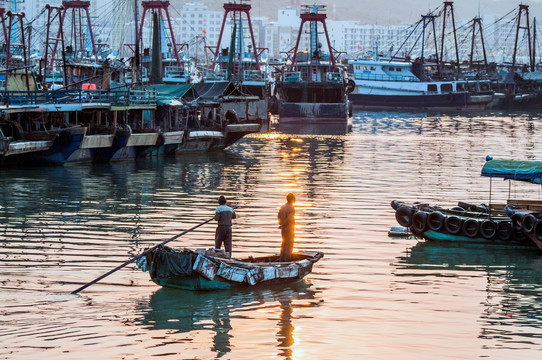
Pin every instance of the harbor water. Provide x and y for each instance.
(372, 296)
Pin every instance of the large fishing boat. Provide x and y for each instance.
(312, 87)
(243, 64)
(391, 84)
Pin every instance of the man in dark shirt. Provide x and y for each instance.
(286, 218)
(224, 215)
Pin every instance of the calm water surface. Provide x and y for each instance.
(370, 297)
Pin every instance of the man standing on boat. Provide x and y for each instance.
(286, 218)
(224, 215)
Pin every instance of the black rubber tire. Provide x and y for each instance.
(419, 222)
(453, 224)
(160, 140)
(504, 230)
(538, 230)
(488, 229)
(403, 215)
(435, 220)
(517, 221)
(395, 204)
(471, 227)
(528, 223)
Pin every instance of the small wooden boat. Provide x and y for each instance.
(518, 222)
(212, 269)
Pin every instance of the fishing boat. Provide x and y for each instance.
(240, 67)
(381, 83)
(313, 87)
(212, 269)
(514, 223)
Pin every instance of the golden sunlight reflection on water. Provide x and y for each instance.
(372, 296)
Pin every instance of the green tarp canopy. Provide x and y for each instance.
(514, 170)
(169, 94)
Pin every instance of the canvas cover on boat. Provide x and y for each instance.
(168, 264)
(209, 90)
(170, 94)
(514, 170)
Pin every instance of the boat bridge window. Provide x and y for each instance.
(460, 86)
(365, 68)
(373, 68)
(358, 67)
(432, 88)
(391, 69)
(446, 88)
(398, 69)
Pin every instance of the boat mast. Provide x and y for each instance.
(15, 17)
(429, 18)
(523, 9)
(157, 7)
(477, 21)
(309, 13)
(237, 10)
(449, 4)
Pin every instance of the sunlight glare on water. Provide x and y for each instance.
(372, 296)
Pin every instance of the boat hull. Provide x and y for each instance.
(213, 270)
(315, 113)
(455, 101)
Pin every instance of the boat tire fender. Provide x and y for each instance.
(471, 227)
(528, 223)
(403, 215)
(231, 117)
(488, 229)
(453, 224)
(504, 230)
(435, 220)
(160, 140)
(419, 222)
(395, 204)
(538, 230)
(517, 221)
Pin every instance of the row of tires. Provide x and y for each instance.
(505, 230)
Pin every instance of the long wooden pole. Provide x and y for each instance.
(138, 256)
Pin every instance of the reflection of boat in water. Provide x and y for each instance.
(510, 305)
(212, 269)
(185, 311)
(313, 129)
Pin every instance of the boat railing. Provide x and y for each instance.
(134, 98)
(334, 77)
(252, 75)
(292, 76)
(215, 75)
(384, 77)
(174, 72)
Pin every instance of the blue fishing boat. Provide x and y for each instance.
(212, 269)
